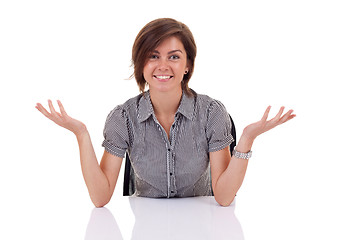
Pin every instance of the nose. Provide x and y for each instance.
(163, 64)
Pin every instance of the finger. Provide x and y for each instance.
(42, 110)
(290, 117)
(52, 109)
(266, 114)
(62, 109)
(277, 117)
(286, 116)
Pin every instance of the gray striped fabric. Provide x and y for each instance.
(177, 166)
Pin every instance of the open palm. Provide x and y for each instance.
(255, 129)
(62, 119)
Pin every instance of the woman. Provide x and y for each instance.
(170, 132)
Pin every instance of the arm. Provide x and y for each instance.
(228, 172)
(100, 179)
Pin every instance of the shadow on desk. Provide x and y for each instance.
(175, 218)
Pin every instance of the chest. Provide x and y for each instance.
(170, 166)
(166, 122)
(155, 135)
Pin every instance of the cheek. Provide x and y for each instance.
(149, 67)
(147, 71)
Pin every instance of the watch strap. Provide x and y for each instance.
(242, 155)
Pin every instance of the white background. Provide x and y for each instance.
(303, 180)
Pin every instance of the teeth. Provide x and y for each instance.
(163, 77)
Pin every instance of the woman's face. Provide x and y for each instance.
(166, 66)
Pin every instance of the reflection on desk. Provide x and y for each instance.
(175, 218)
(102, 225)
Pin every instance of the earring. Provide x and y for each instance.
(186, 72)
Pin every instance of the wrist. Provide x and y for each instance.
(244, 145)
(81, 133)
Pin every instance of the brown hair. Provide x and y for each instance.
(150, 36)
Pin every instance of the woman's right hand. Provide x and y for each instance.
(62, 119)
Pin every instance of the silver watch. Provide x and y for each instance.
(242, 155)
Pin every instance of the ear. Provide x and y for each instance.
(186, 70)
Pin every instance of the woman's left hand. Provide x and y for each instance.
(255, 129)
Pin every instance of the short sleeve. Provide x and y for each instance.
(218, 128)
(116, 132)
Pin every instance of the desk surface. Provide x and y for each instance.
(176, 218)
(273, 213)
(267, 216)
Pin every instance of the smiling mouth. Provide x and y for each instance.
(163, 77)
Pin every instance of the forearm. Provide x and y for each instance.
(95, 179)
(229, 182)
(232, 178)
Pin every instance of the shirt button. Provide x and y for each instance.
(172, 191)
(171, 174)
(169, 149)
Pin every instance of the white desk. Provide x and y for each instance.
(176, 218)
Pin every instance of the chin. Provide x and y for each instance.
(164, 89)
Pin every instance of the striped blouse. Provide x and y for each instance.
(174, 166)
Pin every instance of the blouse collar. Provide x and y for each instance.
(186, 107)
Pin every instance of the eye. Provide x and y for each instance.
(153, 56)
(174, 57)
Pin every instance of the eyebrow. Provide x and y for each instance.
(173, 51)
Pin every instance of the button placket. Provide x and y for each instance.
(168, 151)
(173, 131)
(170, 155)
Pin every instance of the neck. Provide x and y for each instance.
(165, 103)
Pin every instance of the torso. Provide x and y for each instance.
(163, 167)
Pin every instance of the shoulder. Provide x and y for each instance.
(125, 109)
(208, 103)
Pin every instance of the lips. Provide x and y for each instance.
(163, 78)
